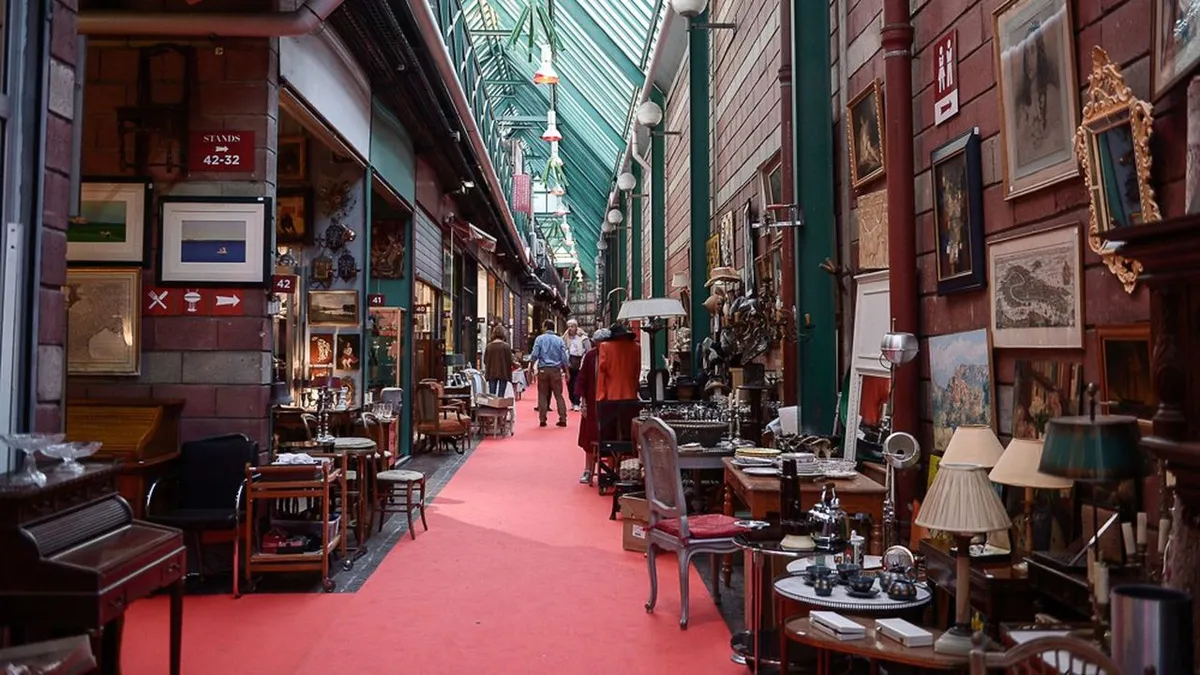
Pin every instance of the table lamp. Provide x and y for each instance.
(1018, 467)
(974, 444)
(961, 501)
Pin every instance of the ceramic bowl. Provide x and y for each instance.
(818, 571)
(823, 587)
(861, 584)
(847, 571)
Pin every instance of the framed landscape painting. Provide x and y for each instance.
(111, 225)
(1036, 294)
(960, 370)
(214, 241)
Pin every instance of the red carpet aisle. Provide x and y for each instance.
(520, 573)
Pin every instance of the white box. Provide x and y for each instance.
(907, 634)
(837, 624)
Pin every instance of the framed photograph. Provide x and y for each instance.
(104, 321)
(1037, 290)
(294, 216)
(1175, 47)
(1039, 98)
(320, 349)
(1126, 380)
(214, 241)
(111, 225)
(387, 249)
(333, 308)
(960, 373)
(957, 175)
(1043, 390)
(292, 158)
(864, 131)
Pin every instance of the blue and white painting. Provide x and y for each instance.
(212, 241)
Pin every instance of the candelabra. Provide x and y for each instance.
(323, 399)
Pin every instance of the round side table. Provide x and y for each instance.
(759, 643)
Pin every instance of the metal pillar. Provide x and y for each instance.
(635, 237)
(658, 223)
(698, 78)
(787, 162)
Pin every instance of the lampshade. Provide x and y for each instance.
(974, 444)
(551, 133)
(555, 158)
(626, 181)
(545, 73)
(962, 501)
(614, 217)
(602, 244)
(558, 190)
(1096, 448)
(689, 8)
(680, 280)
(649, 114)
(651, 308)
(1018, 467)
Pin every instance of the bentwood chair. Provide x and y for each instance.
(440, 424)
(671, 528)
(1051, 654)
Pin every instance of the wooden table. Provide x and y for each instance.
(999, 591)
(872, 647)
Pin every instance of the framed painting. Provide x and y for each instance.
(712, 253)
(1039, 99)
(321, 349)
(726, 232)
(104, 321)
(1175, 46)
(214, 241)
(111, 225)
(1037, 290)
(294, 216)
(1043, 390)
(961, 386)
(1126, 380)
(292, 159)
(387, 249)
(957, 175)
(348, 352)
(865, 135)
(333, 308)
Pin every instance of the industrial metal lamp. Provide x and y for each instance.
(545, 73)
(655, 312)
(551, 133)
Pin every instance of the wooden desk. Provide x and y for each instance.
(872, 647)
(999, 591)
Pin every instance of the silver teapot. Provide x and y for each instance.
(830, 526)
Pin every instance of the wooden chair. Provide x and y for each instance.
(1051, 654)
(670, 527)
(437, 423)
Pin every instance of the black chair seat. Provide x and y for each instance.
(197, 519)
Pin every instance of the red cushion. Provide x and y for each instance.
(702, 526)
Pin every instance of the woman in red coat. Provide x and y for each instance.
(585, 389)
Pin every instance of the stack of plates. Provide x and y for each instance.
(753, 461)
(757, 453)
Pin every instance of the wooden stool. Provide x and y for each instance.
(401, 479)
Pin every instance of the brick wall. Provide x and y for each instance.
(219, 366)
(678, 174)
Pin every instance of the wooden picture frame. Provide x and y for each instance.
(865, 135)
(957, 175)
(871, 320)
(214, 241)
(1036, 298)
(333, 308)
(1171, 58)
(960, 362)
(111, 225)
(1126, 376)
(104, 320)
(1036, 81)
(1043, 390)
(294, 223)
(712, 250)
(292, 159)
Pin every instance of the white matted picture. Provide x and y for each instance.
(111, 225)
(214, 241)
(1036, 292)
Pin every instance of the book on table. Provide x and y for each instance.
(837, 625)
(907, 634)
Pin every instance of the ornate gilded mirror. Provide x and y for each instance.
(1113, 147)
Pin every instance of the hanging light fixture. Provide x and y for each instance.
(602, 245)
(555, 159)
(649, 114)
(607, 227)
(551, 133)
(558, 190)
(545, 73)
(626, 181)
(614, 217)
(689, 8)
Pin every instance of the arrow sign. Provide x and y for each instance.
(226, 303)
(231, 300)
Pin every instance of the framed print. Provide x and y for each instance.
(1043, 390)
(387, 249)
(957, 175)
(111, 225)
(104, 321)
(1126, 380)
(294, 216)
(1175, 49)
(864, 130)
(1037, 290)
(960, 374)
(333, 308)
(1039, 104)
(292, 159)
(320, 349)
(214, 241)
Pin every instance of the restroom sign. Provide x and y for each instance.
(945, 77)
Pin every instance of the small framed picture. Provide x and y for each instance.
(1126, 378)
(320, 349)
(958, 215)
(864, 128)
(1176, 45)
(333, 308)
(104, 321)
(292, 158)
(348, 352)
(1036, 290)
(293, 216)
(111, 225)
(214, 241)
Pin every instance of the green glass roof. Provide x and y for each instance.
(605, 47)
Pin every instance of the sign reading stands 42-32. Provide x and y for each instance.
(225, 151)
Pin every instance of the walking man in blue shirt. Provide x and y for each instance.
(550, 354)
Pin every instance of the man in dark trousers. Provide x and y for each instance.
(550, 354)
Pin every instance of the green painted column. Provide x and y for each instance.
(622, 241)
(698, 54)
(816, 290)
(635, 236)
(658, 222)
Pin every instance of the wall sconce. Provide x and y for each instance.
(693, 8)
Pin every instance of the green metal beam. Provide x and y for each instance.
(635, 245)
(698, 55)
(658, 222)
(597, 34)
(815, 242)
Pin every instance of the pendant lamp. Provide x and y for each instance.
(558, 190)
(551, 133)
(545, 73)
(555, 159)
(626, 182)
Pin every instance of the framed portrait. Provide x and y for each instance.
(333, 308)
(1043, 390)
(1037, 290)
(294, 216)
(214, 241)
(348, 352)
(961, 384)
(111, 225)
(321, 349)
(1126, 379)
(292, 159)
(387, 248)
(957, 176)
(104, 321)
(1175, 47)
(1039, 98)
(865, 135)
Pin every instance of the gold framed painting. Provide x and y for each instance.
(865, 135)
(104, 321)
(333, 308)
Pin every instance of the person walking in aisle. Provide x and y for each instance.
(550, 354)
(578, 344)
(585, 390)
(498, 362)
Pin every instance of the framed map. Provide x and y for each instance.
(104, 321)
(1036, 290)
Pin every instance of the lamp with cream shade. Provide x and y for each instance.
(974, 444)
(1018, 467)
(961, 501)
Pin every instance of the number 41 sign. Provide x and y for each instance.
(226, 151)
